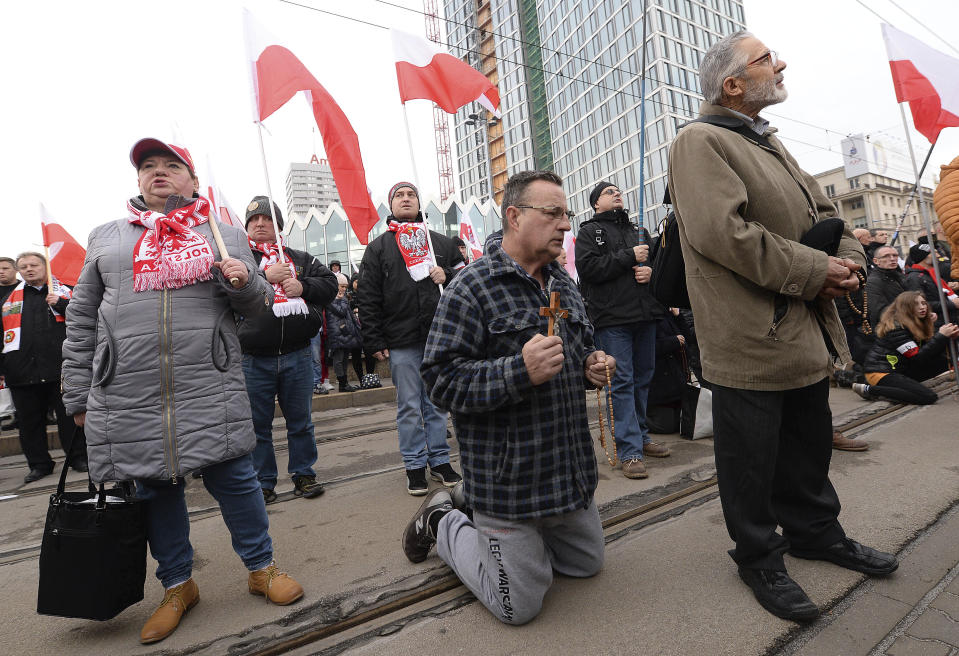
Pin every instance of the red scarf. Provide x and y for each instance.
(170, 254)
(412, 240)
(283, 305)
(946, 289)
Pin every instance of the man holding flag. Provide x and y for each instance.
(277, 359)
(402, 269)
(33, 334)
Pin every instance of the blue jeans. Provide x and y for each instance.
(316, 351)
(420, 424)
(234, 486)
(634, 347)
(289, 379)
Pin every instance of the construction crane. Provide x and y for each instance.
(444, 159)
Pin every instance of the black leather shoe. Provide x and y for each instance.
(80, 466)
(779, 594)
(850, 554)
(36, 475)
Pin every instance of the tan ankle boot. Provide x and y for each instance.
(176, 602)
(275, 585)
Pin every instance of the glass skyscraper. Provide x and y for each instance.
(568, 73)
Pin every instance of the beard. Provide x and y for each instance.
(764, 94)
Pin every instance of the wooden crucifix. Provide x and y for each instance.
(554, 312)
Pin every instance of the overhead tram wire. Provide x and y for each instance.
(611, 67)
(666, 105)
(924, 26)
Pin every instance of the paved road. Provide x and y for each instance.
(668, 588)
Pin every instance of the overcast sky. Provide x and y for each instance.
(83, 81)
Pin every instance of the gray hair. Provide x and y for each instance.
(723, 59)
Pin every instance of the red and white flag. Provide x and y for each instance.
(277, 76)
(569, 245)
(218, 204)
(65, 253)
(468, 235)
(926, 79)
(425, 70)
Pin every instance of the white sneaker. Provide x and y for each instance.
(862, 390)
(327, 386)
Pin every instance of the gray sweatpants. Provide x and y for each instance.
(509, 565)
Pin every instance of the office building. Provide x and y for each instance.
(568, 72)
(310, 185)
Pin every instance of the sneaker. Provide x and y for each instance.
(416, 482)
(278, 587)
(166, 618)
(634, 468)
(458, 496)
(444, 474)
(307, 487)
(319, 389)
(269, 496)
(420, 534)
(862, 390)
(656, 450)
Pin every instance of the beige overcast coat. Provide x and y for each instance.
(742, 209)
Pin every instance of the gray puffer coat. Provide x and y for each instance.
(159, 373)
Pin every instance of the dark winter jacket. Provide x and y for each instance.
(342, 326)
(395, 310)
(920, 279)
(670, 374)
(899, 352)
(882, 288)
(41, 337)
(268, 334)
(6, 290)
(605, 261)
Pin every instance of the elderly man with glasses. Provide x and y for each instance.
(766, 324)
(612, 259)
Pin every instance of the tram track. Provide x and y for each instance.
(860, 422)
(444, 591)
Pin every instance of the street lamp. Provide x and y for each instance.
(472, 120)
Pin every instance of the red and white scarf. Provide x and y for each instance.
(170, 254)
(283, 305)
(13, 313)
(413, 242)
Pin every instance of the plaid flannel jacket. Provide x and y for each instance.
(526, 451)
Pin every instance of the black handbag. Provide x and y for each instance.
(668, 280)
(93, 554)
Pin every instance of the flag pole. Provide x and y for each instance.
(932, 245)
(416, 181)
(269, 193)
(902, 217)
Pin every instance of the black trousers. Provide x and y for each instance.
(772, 460)
(904, 390)
(357, 356)
(31, 402)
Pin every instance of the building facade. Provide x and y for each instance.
(870, 200)
(310, 185)
(568, 73)
(328, 236)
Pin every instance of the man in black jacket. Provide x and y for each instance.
(886, 281)
(8, 277)
(33, 334)
(399, 291)
(277, 359)
(611, 259)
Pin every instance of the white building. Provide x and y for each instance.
(310, 185)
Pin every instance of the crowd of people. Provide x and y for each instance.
(180, 338)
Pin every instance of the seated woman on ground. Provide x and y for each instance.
(907, 350)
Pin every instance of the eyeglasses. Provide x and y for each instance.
(771, 55)
(610, 191)
(552, 211)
